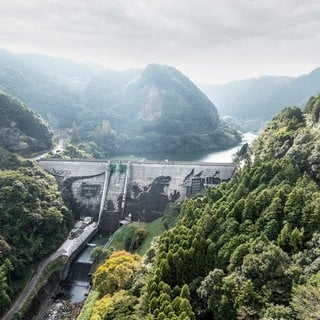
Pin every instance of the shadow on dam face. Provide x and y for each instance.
(140, 190)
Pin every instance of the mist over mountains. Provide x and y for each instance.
(152, 110)
(263, 97)
(156, 109)
(22, 130)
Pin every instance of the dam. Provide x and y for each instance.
(113, 192)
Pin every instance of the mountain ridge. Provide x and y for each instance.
(262, 97)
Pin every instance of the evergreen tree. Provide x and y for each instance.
(75, 134)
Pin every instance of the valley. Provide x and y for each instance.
(202, 237)
(159, 160)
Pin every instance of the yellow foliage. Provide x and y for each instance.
(105, 307)
(115, 272)
(282, 130)
(102, 308)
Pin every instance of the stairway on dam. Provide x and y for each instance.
(113, 211)
(115, 189)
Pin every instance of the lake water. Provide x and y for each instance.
(224, 156)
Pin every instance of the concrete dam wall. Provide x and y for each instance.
(137, 190)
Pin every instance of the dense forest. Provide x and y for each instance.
(247, 249)
(33, 222)
(22, 130)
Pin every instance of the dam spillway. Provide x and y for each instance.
(110, 191)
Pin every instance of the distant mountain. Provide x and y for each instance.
(44, 86)
(262, 98)
(156, 109)
(22, 130)
(73, 74)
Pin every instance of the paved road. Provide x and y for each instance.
(58, 148)
(66, 249)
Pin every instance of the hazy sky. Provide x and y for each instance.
(208, 40)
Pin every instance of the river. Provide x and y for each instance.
(224, 156)
(77, 283)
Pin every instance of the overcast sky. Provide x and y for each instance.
(211, 41)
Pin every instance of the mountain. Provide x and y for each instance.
(262, 98)
(22, 130)
(74, 75)
(156, 109)
(41, 88)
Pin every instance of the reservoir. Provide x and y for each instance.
(224, 156)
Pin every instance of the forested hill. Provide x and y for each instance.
(157, 109)
(22, 130)
(247, 249)
(33, 222)
(45, 85)
(263, 97)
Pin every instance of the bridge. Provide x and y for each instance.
(113, 191)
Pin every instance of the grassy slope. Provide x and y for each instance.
(154, 228)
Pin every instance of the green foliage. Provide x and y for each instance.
(137, 111)
(75, 135)
(33, 221)
(122, 239)
(112, 167)
(305, 301)
(22, 130)
(110, 281)
(313, 109)
(242, 154)
(100, 254)
(263, 97)
(246, 249)
(115, 273)
(78, 151)
(154, 229)
(104, 133)
(51, 270)
(123, 168)
(50, 95)
(90, 302)
(135, 239)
